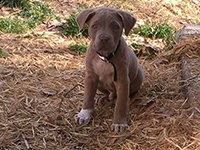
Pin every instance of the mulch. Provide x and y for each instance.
(42, 89)
(42, 86)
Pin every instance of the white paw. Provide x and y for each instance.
(119, 127)
(84, 116)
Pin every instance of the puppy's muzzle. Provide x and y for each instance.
(103, 38)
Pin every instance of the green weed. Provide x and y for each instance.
(2, 54)
(34, 13)
(31, 14)
(12, 25)
(156, 31)
(135, 45)
(14, 3)
(71, 27)
(78, 48)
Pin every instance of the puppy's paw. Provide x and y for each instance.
(84, 116)
(119, 127)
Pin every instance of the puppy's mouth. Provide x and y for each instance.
(104, 51)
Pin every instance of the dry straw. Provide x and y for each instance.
(39, 95)
(41, 89)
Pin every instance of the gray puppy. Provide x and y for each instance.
(111, 66)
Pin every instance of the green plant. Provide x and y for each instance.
(31, 14)
(35, 12)
(14, 3)
(135, 45)
(156, 31)
(78, 48)
(12, 25)
(71, 27)
(2, 54)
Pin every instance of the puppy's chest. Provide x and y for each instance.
(104, 70)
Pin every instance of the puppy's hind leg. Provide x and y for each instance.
(105, 96)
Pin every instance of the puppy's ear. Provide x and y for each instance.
(128, 21)
(84, 16)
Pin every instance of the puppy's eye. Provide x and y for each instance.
(116, 27)
(94, 26)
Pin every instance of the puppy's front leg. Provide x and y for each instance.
(84, 116)
(122, 105)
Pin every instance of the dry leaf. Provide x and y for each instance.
(147, 101)
(49, 92)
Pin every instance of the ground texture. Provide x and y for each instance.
(41, 89)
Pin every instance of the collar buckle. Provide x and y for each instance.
(103, 58)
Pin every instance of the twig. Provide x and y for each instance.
(65, 95)
(171, 142)
(25, 141)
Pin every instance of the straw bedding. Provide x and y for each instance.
(41, 89)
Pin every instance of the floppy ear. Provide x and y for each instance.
(128, 21)
(83, 17)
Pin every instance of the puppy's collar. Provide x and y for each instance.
(107, 59)
(111, 55)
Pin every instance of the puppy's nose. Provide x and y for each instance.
(104, 38)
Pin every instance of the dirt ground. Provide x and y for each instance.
(41, 89)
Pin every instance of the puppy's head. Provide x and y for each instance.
(105, 27)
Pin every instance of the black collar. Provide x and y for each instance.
(107, 59)
(111, 55)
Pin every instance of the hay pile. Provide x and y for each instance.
(37, 104)
(189, 47)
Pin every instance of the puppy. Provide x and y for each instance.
(111, 66)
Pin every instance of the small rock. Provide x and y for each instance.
(66, 77)
(187, 31)
(49, 92)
